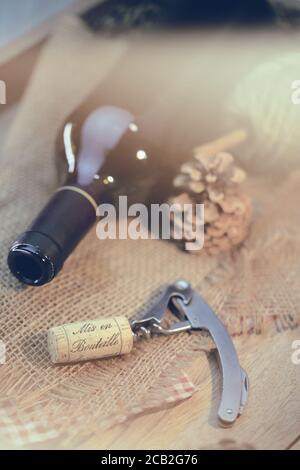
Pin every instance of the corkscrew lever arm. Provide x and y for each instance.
(194, 314)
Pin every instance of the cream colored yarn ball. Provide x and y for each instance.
(262, 103)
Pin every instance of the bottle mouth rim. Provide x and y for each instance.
(30, 265)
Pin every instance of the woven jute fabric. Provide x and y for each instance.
(255, 290)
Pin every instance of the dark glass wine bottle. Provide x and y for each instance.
(106, 155)
(127, 138)
(105, 149)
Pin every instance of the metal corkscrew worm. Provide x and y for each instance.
(115, 336)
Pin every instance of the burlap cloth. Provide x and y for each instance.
(255, 290)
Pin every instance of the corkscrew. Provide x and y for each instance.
(194, 314)
(114, 336)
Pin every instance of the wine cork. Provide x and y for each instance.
(93, 339)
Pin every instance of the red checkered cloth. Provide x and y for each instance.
(18, 432)
(172, 389)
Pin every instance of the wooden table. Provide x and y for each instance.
(271, 419)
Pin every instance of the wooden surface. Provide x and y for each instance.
(296, 446)
(271, 419)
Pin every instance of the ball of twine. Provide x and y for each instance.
(262, 103)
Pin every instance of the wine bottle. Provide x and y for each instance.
(119, 141)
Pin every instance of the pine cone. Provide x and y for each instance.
(214, 181)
